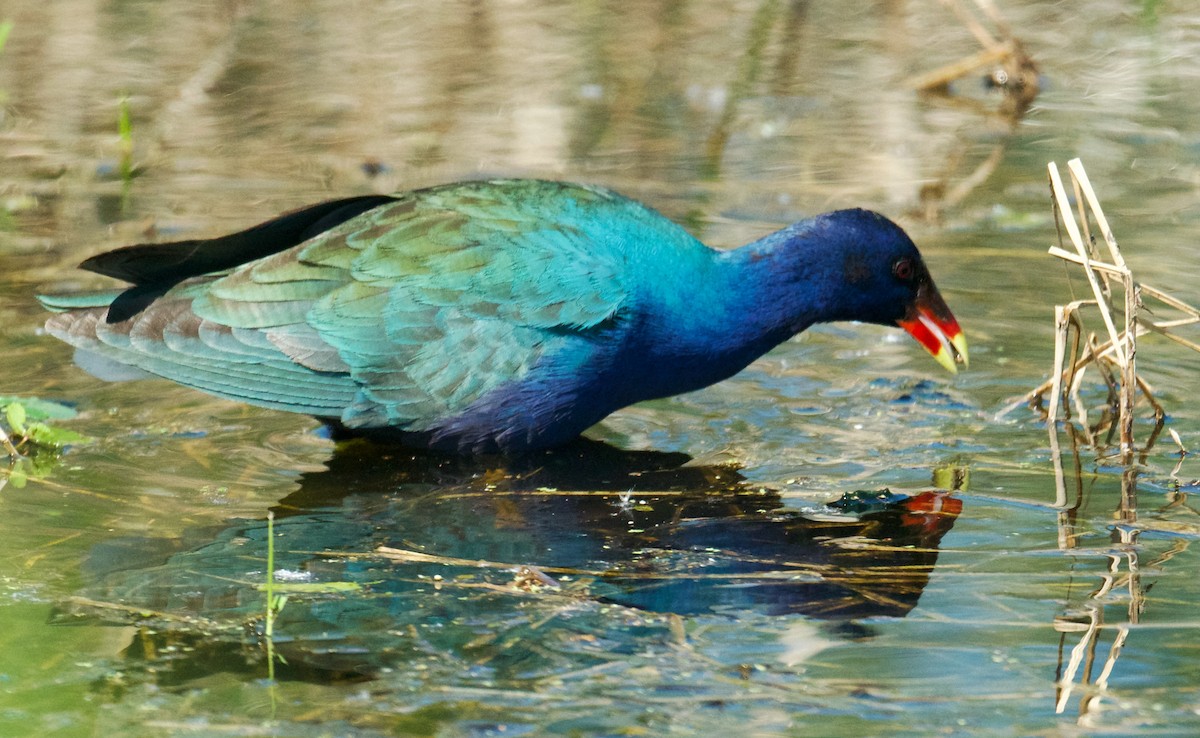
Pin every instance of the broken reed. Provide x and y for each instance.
(1124, 319)
(1121, 349)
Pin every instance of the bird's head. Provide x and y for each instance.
(881, 278)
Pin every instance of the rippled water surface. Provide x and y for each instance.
(841, 540)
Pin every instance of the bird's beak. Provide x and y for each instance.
(930, 321)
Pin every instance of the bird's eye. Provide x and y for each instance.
(903, 269)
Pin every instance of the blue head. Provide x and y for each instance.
(856, 265)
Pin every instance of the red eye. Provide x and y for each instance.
(903, 270)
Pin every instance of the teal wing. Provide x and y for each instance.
(171, 341)
(401, 316)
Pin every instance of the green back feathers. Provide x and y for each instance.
(402, 315)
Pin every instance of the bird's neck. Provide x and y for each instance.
(776, 287)
(737, 306)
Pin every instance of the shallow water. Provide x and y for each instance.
(719, 596)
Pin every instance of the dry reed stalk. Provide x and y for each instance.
(1061, 325)
(1075, 350)
(1124, 320)
(1096, 279)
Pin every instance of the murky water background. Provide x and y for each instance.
(708, 600)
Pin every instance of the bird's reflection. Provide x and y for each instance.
(468, 545)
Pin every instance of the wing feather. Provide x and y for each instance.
(406, 314)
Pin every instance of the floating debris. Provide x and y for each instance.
(1003, 61)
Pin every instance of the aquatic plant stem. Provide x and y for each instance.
(269, 588)
(7, 444)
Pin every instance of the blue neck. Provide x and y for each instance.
(732, 308)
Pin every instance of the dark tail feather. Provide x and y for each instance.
(154, 268)
(171, 263)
